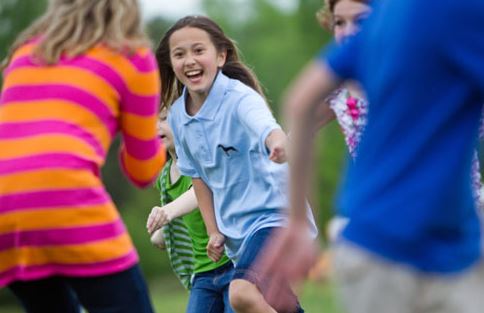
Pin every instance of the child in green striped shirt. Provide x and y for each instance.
(178, 226)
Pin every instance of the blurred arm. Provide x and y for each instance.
(310, 88)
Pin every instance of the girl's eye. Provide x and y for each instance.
(338, 23)
(199, 51)
(177, 55)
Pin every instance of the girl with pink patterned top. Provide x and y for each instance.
(348, 105)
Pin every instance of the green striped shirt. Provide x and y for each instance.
(185, 237)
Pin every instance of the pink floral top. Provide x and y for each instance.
(352, 113)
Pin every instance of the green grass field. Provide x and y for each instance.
(169, 297)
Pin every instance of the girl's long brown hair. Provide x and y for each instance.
(72, 27)
(233, 67)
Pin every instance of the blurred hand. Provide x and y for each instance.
(215, 246)
(158, 217)
(289, 256)
(278, 153)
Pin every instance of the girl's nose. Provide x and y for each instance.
(189, 60)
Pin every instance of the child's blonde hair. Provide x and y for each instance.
(74, 26)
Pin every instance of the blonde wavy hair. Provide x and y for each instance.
(72, 27)
(325, 14)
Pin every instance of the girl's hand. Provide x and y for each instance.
(157, 239)
(276, 142)
(278, 154)
(289, 256)
(215, 246)
(158, 217)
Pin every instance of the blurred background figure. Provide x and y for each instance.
(413, 241)
(343, 18)
(79, 74)
(349, 107)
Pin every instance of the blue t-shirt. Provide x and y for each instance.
(409, 193)
(224, 145)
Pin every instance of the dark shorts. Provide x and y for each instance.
(210, 291)
(245, 269)
(123, 292)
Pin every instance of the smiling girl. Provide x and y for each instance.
(227, 140)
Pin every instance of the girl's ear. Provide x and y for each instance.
(221, 58)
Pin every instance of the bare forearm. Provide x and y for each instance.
(309, 90)
(182, 205)
(301, 151)
(205, 203)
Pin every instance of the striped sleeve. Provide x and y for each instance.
(142, 154)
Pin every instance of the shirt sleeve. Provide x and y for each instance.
(184, 160)
(255, 115)
(342, 59)
(142, 154)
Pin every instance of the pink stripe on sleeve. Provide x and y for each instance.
(142, 149)
(140, 105)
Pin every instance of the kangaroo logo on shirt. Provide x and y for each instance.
(227, 150)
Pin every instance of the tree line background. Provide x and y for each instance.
(275, 43)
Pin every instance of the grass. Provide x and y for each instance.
(169, 297)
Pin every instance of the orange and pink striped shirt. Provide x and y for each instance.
(56, 126)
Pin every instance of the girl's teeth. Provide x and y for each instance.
(190, 74)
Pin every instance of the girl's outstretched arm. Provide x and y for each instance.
(161, 216)
(215, 246)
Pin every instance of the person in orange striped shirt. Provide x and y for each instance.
(78, 75)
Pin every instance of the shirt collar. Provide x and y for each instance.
(213, 102)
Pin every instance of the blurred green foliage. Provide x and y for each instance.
(275, 43)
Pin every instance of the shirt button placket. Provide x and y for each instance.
(201, 142)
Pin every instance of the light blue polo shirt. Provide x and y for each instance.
(224, 145)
